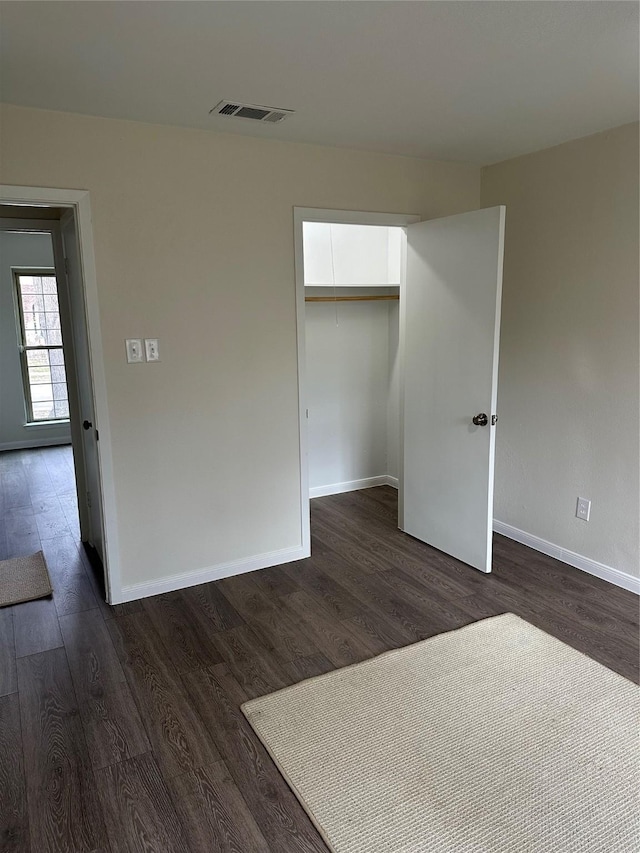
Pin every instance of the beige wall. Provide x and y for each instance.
(194, 245)
(569, 361)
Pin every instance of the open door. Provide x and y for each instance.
(91, 512)
(451, 321)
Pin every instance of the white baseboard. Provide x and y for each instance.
(33, 443)
(353, 486)
(210, 573)
(586, 564)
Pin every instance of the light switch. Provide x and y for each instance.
(134, 350)
(151, 348)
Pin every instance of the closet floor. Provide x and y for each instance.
(120, 727)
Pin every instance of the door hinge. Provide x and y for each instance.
(66, 265)
(89, 499)
(97, 436)
(494, 420)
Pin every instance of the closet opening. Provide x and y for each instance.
(349, 332)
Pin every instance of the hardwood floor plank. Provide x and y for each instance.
(182, 631)
(60, 472)
(8, 674)
(329, 635)
(113, 728)
(179, 741)
(267, 617)
(21, 522)
(72, 589)
(379, 598)
(280, 817)
(94, 664)
(214, 813)
(249, 661)
(14, 485)
(49, 518)
(126, 609)
(377, 632)
(244, 596)
(274, 583)
(140, 816)
(36, 627)
(64, 812)
(309, 666)
(280, 633)
(311, 577)
(14, 826)
(208, 600)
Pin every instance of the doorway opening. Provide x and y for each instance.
(48, 430)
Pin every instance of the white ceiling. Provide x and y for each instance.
(479, 81)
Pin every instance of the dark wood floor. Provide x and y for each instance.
(120, 727)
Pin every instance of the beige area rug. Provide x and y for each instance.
(495, 738)
(23, 578)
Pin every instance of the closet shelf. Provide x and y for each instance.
(385, 297)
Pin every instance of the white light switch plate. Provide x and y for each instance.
(151, 348)
(134, 350)
(583, 509)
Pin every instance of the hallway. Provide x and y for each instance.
(39, 511)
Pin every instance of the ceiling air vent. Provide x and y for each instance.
(272, 115)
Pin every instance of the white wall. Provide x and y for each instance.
(19, 250)
(569, 359)
(194, 245)
(347, 347)
(353, 255)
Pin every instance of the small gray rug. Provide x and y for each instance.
(23, 579)
(496, 738)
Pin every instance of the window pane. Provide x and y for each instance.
(43, 411)
(49, 284)
(58, 373)
(39, 375)
(34, 338)
(56, 357)
(37, 357)
(59, 391)
(32, 302)
(34, 320)
(30, 284)
(62, 409)
(51, 303)
(41, 393)
(54, 337)
(52, 321)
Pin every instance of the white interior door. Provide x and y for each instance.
(89, 431)
(451, 326)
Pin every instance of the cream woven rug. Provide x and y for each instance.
(495, 738)
(23, 578)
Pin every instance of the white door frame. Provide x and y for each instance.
(347, 217)
(78, 201)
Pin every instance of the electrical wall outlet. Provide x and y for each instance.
(583, 509)
(134, 350)
(151, 348)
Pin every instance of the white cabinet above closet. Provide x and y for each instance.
(351, 255)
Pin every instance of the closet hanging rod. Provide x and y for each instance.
(385, 297)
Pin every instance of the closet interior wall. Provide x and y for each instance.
(352, 358)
